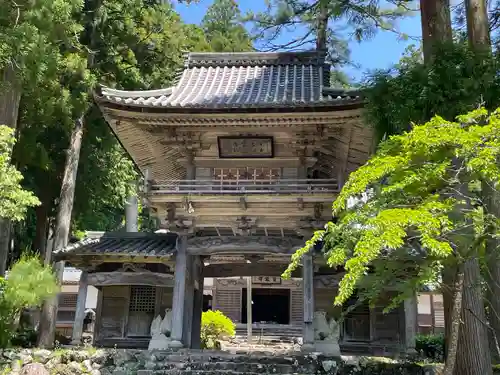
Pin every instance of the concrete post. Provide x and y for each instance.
(411, 314)
(308, 285)
(131, 214)
(76, 338)
(198, 309)
(179, 292)
(249, 309)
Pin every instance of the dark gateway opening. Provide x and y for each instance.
(269, 306)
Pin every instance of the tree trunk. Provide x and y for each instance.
(321, 35)
(473, 355)
(61, 236)
(454, 327)
(478, 26)
(42, 222)
(478, 33)
(491, 200)
(10, 97)
(436, 25)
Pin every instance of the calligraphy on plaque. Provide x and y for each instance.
(246, 147)
(266, 280)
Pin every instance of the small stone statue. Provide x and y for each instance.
(159, 340)
(326, 334)
(166, 323)
(155, 326)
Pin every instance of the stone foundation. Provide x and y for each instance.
(141, 362)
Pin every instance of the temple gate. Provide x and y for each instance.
(242, 158)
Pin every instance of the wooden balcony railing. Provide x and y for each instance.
(244, 187)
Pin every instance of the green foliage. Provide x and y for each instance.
(27, 285)
(430, 347)
(29, 42)
(131, 44)
(14, 200)
(458, 81)
(25, 337)
(214, 327)
(362, 19)
(397, 216)
(224, 29)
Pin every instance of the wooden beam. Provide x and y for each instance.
(130, 278)
(246, 269)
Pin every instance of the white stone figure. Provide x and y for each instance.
(155, 326)
(166, 323)
(159, 341)
(326, 334)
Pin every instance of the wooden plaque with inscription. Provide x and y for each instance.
(266, 280)
(246, 147)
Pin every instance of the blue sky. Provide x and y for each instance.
(381, 51)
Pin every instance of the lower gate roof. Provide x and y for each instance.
(139, 247)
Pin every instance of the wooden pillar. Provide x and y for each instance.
(411, 312)
(190, 168)
(76, 338)
(302, 170)
(188, 302)
(433, 314)
(249, 309)
(179, 292)
(308, 285)
(98, 315)
(198, 309)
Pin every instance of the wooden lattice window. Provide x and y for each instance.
(228, 176)
(141, 310)
(142, 298)
(68, 300)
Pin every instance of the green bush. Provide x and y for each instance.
(25, 337)
(27, 285)
(215, 326)
(431, 347)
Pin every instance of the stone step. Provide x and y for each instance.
(215, 356)
(252, 367)
(202, 372)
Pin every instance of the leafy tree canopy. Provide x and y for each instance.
(29, 42)
(224, 29)
(403, 219)
(360, 19)
(457, 82)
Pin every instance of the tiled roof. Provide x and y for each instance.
(235, 80)
(121, 244)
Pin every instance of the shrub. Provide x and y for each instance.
(215, 326)
(27, 285)
(431, 346)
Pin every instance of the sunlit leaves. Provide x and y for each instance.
(409, 218)
(14, 200)
(29, 283)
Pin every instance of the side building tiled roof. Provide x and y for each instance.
(120, 244)
(243, 80)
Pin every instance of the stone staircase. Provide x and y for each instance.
(220, 363)
(271, 330)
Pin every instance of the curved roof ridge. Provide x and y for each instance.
(108, 91)
(205, 59)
